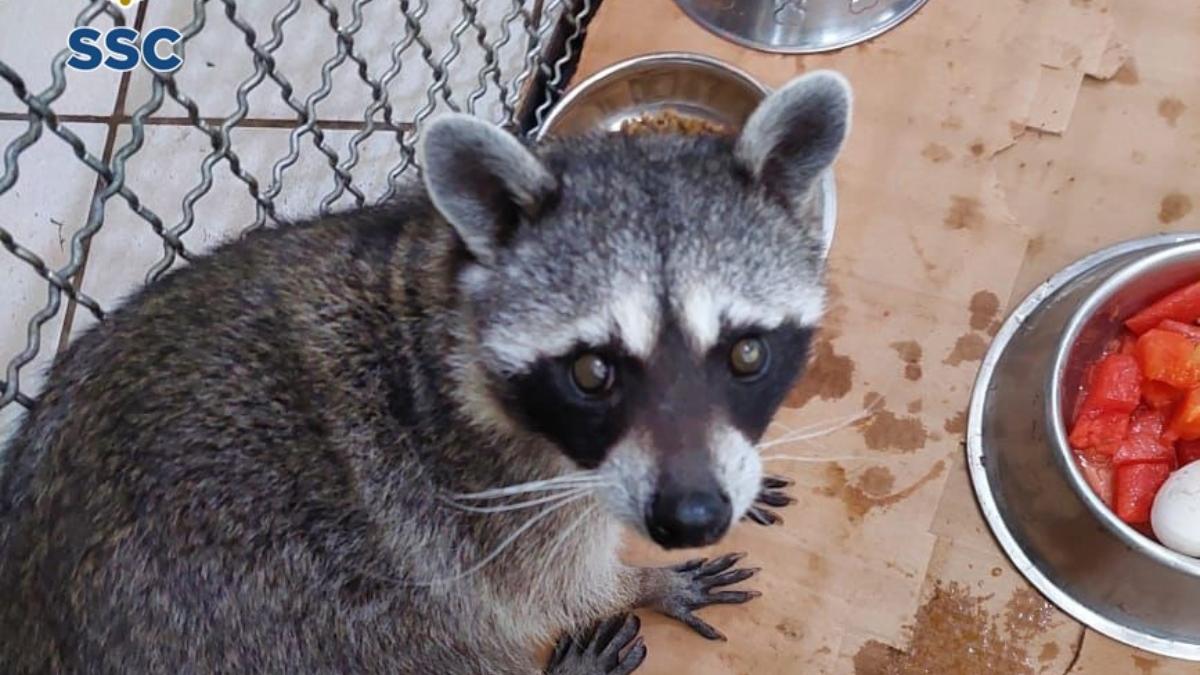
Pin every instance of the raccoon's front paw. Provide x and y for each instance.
(608, 649)
(772, 495)
(692, 585)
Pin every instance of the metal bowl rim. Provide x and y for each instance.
(637, 62)
(1058, 434)
(978, 473)
(831, 47)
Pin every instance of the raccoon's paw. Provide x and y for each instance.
(608, 649)
(772, 495)
(692, 587)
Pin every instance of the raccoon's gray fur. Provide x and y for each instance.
(293, 455)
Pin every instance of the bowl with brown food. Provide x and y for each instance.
(670, 92)
(1081, 439)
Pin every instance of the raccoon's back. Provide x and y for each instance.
(205, 418)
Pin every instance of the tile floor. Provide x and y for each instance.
(52, 196)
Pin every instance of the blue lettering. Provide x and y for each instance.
(87, 56)
(122, 52)
(150, 50)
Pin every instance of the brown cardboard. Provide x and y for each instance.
(994, 141)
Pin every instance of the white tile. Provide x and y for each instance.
(217, 59)
(48, 204)
(168, 167)
(33, 34)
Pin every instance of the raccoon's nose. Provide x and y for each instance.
(689, 519)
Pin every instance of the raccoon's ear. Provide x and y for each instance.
(481, 179)
(796, 133)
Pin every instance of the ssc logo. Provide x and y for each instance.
(118, 48)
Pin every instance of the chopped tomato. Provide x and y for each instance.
(1137, 449)
(1116, 386)
(1181, 305)
(1128, 342)
(1160, 395)
(1122, 344)
(1099, 431)
(1134, 488)
(1099, 475)
(1169, 357)
(1186, 422)
(1189, 329)
(1147, 423)
(1144, 441)
(1187, 452)
(1137, 417)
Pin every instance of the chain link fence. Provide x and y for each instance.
(340, 78)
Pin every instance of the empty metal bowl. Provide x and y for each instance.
(799, 26)
(1058, 533)
(690, 85)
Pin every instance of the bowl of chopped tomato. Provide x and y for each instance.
(1128, 388)
(1087, 403)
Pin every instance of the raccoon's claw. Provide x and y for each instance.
(762, 516)
(693, 588)
(608, 649)
(772, 494)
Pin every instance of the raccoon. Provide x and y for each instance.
(407, 438)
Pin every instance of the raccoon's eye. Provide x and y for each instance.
(592, 374)
(748, 357)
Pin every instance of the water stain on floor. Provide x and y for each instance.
(985, 306)
(872, 489)
(965, 213)
(1049, 653)
(955, 633)
(1174, 206)
(968, 347)
(910, 353)
(830, 376)
(1145, 665)
(936, 153)
(1128, 74)
(956, 425)
(887, 431)
(1171, 109)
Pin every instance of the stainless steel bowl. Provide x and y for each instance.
(687, 84)
(1057, 532)
(799, 26)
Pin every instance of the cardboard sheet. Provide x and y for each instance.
(994, 141)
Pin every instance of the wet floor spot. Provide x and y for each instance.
(937, 153)
(829, 376)
(969, 347)
(985, 306)
(965, 213)
(1174, 206)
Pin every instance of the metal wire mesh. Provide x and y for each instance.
(507, 60)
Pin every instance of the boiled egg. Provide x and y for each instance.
(1175, 515)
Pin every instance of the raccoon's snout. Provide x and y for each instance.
(689, 518)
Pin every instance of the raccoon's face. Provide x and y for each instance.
(646, 302)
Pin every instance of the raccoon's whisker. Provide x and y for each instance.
(815, 460)
(503, 544)
(777, 423)
(566, 533)
(515, 506)
(817, 430)
(836, 423)
(566, 482)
